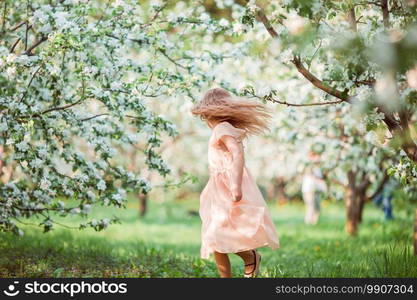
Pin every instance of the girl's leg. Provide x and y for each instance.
(223, 264)
(248, 258)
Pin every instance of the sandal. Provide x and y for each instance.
(256, 264)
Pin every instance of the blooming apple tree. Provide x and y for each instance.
(362, 54)
(76, 81)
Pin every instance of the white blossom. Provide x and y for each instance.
(22, 146)
(36, 163)
(61, 19)
(43, 152)
(204, 17)
(11, 71)
(295, 23)
(116, 85)
(91, 195)
(75, 210)
(101, 185)
(252, 6)
(117, 197)
(11, 58)
(224, 23)
(105, 222)
(3, 126)
(238, 28)
(45, 184)
(286, 55)
(86, 209)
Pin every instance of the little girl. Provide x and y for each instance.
(233, 212)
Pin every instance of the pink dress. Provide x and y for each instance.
(229, 226)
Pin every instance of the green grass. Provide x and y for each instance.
(166, 244)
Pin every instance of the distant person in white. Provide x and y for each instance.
(312, 184)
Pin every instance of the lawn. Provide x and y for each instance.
(166, 244)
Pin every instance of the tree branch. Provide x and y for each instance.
(35, 209)
(172, 60)
(3, 24)
(58, 108)
(18, 25)
(365, 182)
(140, 42)
(61, 107)
(26, 36)
(30, 83)
(317, 82)
(155, 16)
(385, 13)
(93, 117)
(389, 119)
(299, 65)
(14, 45)
(263, 18)
(402, 131)
(352, 19)
(36, 44)
(404, 119)
(380, 186)
(376, 3)
(106, 114)
(409, 146)
(338, 182)
(273, 100)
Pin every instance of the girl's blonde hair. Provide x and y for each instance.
(219, 105)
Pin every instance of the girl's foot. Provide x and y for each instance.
(252, 269)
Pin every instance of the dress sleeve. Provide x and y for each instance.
(227, 129)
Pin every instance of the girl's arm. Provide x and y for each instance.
(236, 150)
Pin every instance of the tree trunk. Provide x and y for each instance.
(362, 200)
(1, 161)
(271, 191)
(402, 132)
(352, 20)
(415, 234)
(352, 215)
(281, 196)
(276, 191)
(352, 205)
(143, 204)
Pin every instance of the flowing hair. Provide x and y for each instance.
(218, 105)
